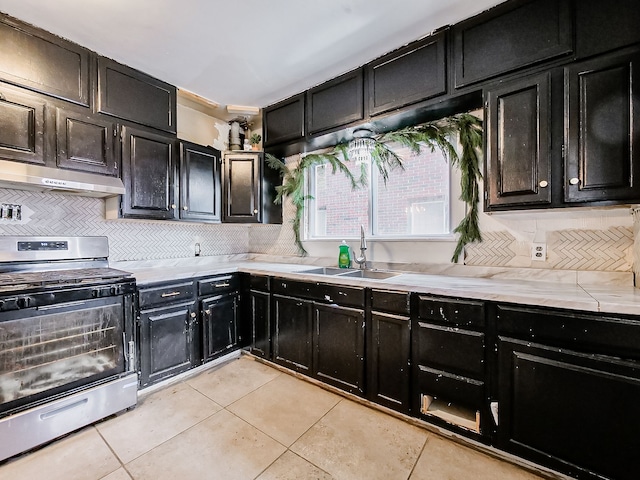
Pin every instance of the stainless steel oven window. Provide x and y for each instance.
(44, 349)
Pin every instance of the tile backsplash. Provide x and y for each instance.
(585, 241)
(57, 214)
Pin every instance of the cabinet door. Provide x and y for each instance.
(86, 142)
(518, 143)
(220, 325)
(292, 335)
(337, 102)
(166, 342)
(511, 36)
(200, 183)
(603, 26)
(408, 75)
(44, 62)
(132, 95)
(284, 121)
(571, 411)
(21, 126)
(260, 323)
(338, 354)
(148, 174)
(388, 361)
(242, 188)
(602, 161)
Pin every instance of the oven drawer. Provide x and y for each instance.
(217, 285)
(162, 295)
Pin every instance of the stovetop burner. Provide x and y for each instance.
(26, 280)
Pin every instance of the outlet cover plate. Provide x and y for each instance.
(539, 252)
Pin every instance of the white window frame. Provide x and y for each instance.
(456, 210)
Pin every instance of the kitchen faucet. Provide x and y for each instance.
(362, 259)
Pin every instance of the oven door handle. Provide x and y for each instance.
(61, 305)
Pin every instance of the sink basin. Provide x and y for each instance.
(371, 274)
(325, 271)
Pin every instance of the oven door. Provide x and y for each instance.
(47, 352)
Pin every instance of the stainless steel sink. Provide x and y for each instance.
(344, 272)
(371, 274)
(326, 271)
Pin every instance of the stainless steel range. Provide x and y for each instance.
(67, 347)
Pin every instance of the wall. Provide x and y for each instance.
(200, 128)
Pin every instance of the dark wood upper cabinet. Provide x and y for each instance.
(518, 130)
(148, 166)
(86, 142)
(200, 189)
(602, 161)
(510, 36)
(284, 121)
(408, 75)
(43, 62)
(132, 95)
(335, 103)
(603, 26)
(22, 126)
(242, 188)
(249, 188)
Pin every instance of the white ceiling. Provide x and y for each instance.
(253, 52)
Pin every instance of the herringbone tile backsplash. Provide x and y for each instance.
(606, 249)
(57, 214)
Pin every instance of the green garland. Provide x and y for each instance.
(432, 135)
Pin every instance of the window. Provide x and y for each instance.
(414, 201)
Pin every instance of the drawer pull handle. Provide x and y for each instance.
(171, 294)
(220, 285)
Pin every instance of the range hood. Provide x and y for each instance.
(36, 177)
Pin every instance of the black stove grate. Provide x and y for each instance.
(25, 280)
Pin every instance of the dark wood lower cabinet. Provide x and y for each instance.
(167, 345)
(388, 360)
(338, 354)
(219, 325)
(293, 331)
(260, 323)
(572, 411)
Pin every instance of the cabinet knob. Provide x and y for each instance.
(173, 206)
(185, 208)
(255, 210)
(193, 314)
(543, 184)
(574, 181)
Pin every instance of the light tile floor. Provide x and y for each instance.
(246, 420)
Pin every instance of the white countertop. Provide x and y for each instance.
(592, 298)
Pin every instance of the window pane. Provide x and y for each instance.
(414, 201)
(337, 211)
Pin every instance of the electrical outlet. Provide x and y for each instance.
(539, 252)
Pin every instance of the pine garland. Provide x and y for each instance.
(431, 135)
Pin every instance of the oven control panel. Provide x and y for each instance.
(39, 246)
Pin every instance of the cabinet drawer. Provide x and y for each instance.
(257, 282)
(452, 349)
(392, 302)
(217, 285)
(322, 292)
(450, 388)
(451, 310)
(176, 292)
(607, 335)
